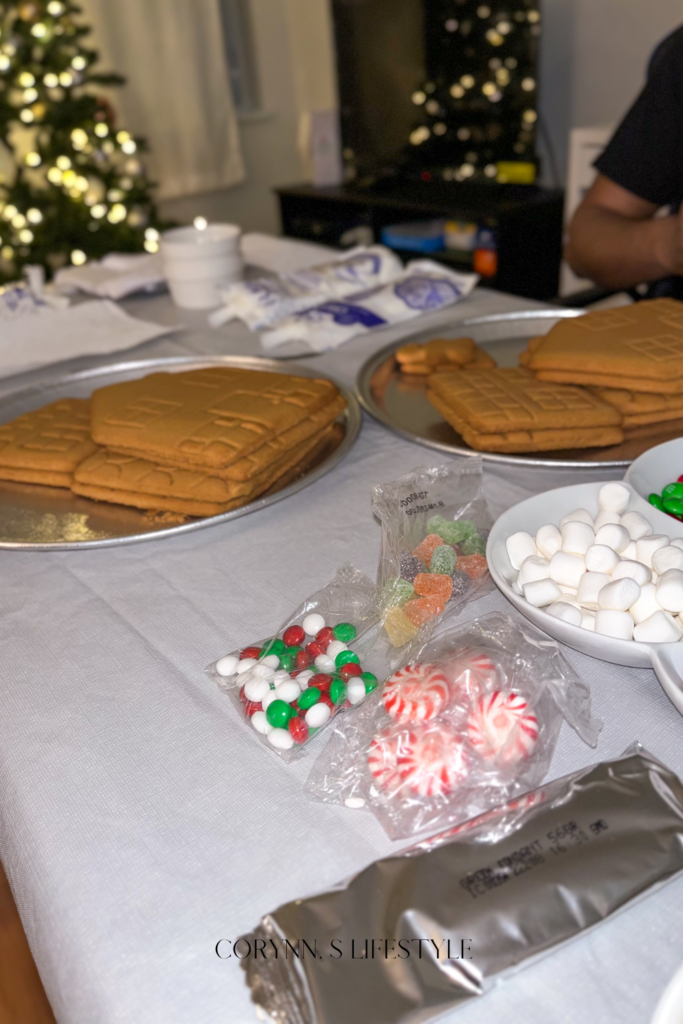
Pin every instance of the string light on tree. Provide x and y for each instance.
(55, 210)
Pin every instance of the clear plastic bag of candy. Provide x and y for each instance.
(288, 686)
(435, 523)
(470, 723)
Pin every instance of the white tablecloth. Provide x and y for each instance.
(139, 821)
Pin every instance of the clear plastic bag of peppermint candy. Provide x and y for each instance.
(471, 722)
(435, 524)
(288, 686)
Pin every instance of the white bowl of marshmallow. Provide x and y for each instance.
(600, 569)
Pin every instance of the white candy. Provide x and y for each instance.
(619, 595)
(566, 612)
(635, 571)
(548, 540)
(615, 624)
(577, 537)
(659, 628)
(600, 558)
(630, 551)
(304, 678)
(355, 690)
(590, 585)
(334, 648)
(288, 691)
(312, 624)
(324, 663)
(520, 546)
(678, 542)
(579, 515)
(262, 671)
(244, 664)
(588, 621)
(566, 568)
(268, 699)
(228, 665)
(605, 517)
(668, 557)
(261, 723)
(614, 498)
(317, 715)
(646, 547)
(256, 689)
(669, 591)
(569, 597)
(271, 660)
(636, 525)
(281, 739)
(646, 605)
(614, 536)
(542, 592)
(536, 568)
(281, 676)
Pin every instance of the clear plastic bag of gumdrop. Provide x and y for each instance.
(435, 523)
(288, 686)
(470, 723)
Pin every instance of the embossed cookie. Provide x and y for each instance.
(206, 418)
(45, 446)
(640, 408)
(508, 410)
(638, 348)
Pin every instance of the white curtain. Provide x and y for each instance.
(177, 94)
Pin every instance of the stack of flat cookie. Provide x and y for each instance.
(509, 410)
(46, 446)
(204, 442)
(442, 354)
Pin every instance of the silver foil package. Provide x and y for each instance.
(423, 932)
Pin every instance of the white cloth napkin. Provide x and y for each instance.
(116, 275)
(91, 328)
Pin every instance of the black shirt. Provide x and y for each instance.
(645, 154)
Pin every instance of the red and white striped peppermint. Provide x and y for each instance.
(503, 727)
(416, 693)
(428, 760)
(472, 673)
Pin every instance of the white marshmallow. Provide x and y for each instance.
(566, 568)
(569, 593)
(566, 612)
(646, 547)
(614, 536)
(630, 551)
(619, 595)
(636, 525)
(678, 542)
(579, 515)
(517, 587)
(669, 591)
(646, 604)
(226, 666)
(605, 517)
(668, 557)
(659, 628)
(615, 624)
(541, 592)
(577, 537)
(590, 585)
(520, 546)
(535, 568)
(614, 497)
(600, 558)
(548, 540)
(588, 621)
(628, 569)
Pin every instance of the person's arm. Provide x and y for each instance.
(615, 240)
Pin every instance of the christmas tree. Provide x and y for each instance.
(77, 188)
(478, 100)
